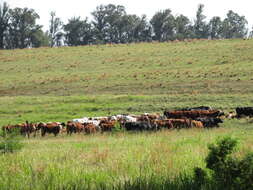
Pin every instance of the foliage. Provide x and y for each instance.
(22, 27)
(10, 141)
(215, 25)
(4, 22)
(201, 28)
(227, 172)
(112, 24)
(234, 26)
(78, 32)
(163, 24)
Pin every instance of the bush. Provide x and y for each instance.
(10, 142)
(227, 172)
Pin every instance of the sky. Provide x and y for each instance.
(67, 9)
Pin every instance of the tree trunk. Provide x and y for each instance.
(1, 41)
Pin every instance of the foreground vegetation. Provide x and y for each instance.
(85, 161)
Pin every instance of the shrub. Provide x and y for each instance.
(10, 142)
(227, 172)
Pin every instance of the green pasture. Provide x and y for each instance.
(59, 84)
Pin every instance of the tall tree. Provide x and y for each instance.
(39, 38)
(215, 26)
(23, 25)
(200, 27)
(4, 22)
(55, 27)
(163, 23)
(142, 30)
(234, 26)
(108, 22)
(100, 23)
(78, 32)
(183, 28)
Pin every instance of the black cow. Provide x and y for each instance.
(200, 108)
(210, 122)
(244, 111)
(139, 126)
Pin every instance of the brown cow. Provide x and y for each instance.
(197, 124)
(51, 127)
(74, 127)
(164, 124)
(24, 128)
(179, 123)
(107, 125)
(89, 128)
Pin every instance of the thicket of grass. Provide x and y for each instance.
(81, 161)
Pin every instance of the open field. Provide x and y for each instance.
(60, 84)
(200, 67)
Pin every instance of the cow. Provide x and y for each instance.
(210, 122)
(191, 114)
(200, 108)
(107, 125)
(244, 111)
(197, 124)
(81, 120)
(90, 128)
(231, 115)
(179, 123)
(74, 127)
(51, 127)
(140, 126)
(24, 128)
(167, 124)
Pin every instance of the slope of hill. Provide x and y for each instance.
(108, 79)
(223, 66)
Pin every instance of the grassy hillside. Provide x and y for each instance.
(62, 83)
(58, 84)
(198, 67)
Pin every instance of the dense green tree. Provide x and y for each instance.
(201, 29)
(108, 23)
(234, 26)
(183, 28)
(215, 26)
(22, 26)
(4, 22)
(142, 29)
(40, 38)
(78, 32)
(55, 27)
(163, 23)
(100, 23)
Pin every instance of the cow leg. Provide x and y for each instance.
(43, 132)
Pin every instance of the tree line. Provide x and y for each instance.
(112, 24)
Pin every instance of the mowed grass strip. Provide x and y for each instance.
(221, 66)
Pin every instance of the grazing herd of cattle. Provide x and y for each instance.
(198, 117)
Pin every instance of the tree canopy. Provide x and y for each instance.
(112, 24)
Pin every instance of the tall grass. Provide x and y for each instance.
(161, 160)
